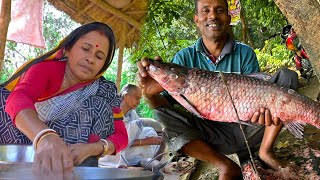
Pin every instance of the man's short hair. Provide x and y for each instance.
(196, 5)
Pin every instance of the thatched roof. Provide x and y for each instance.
(124, 16)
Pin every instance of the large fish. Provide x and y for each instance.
(204, 93)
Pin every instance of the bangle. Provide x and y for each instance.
(44, 135)
(105, 146)
(41, 133)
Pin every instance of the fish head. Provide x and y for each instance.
(172, 77)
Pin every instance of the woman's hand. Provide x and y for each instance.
(53, 159)
(264, 116)
(81, 151)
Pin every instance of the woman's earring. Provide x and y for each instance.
(64, 57)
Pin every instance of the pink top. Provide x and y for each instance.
(49, 77)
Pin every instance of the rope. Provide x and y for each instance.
(244, 136)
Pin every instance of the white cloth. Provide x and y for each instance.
(133, 155)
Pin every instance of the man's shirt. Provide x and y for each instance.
(235, 57)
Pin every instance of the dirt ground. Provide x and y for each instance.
(302, 155)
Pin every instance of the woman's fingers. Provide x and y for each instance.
(52, 159)
(67, 160)
(44, 167)
(36, 165)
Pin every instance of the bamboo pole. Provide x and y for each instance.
(122, 42)
(5, 18)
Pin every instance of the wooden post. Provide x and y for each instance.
(121, 45)
(5, 18)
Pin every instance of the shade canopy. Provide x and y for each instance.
(125, 17)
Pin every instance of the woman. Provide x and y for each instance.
(144, 142)
(62, 104)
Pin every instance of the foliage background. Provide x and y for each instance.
(168, 28)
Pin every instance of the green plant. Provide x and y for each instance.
(274, 56)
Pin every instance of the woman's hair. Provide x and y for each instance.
(68, 42)
(127, 89)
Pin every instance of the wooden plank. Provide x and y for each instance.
(84, 10)
(117, 13)
(137, 12)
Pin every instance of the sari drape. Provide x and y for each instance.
(90, 110)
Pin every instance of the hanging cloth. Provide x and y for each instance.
(57, 52)
(26, 23)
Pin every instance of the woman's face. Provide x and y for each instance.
(132, 99)
(88, 55)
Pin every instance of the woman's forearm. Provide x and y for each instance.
(138, 142)
(28, 122)
(146, 141)
(142, 142)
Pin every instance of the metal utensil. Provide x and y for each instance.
(18, 171)
(16, 163)
(12, 153)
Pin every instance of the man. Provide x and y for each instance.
(208, 140)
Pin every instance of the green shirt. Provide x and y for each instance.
(234, 58)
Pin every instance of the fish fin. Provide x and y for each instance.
(260, 75)
(296, 128)
(186, 103)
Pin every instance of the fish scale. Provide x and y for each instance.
(204, 94)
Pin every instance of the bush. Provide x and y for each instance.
(274, 56)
